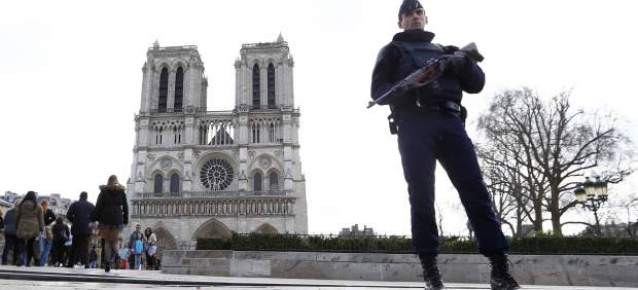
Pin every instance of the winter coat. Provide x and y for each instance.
(10, 222)
(80, 216)
(61, 232)
(134, 237)
(29, 220)
(49, 217)
(111, 208)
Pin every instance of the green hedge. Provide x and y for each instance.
(394, 244)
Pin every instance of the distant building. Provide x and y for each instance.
(355, 232)
(613, 230)
(57, 203)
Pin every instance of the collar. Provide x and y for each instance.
(414, 35)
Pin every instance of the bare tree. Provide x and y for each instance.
(548, 147)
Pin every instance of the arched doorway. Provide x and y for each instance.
(266, 229)
(165, 240)
(212, 229)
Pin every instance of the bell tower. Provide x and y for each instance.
(173, 80)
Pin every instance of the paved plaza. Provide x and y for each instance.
(62, 278)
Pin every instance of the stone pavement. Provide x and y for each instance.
(62, 278)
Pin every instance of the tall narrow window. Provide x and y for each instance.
(271, 133)
(256, 87)
(163, 91)
(159, 181)
(174, 183)
(274, 181)
(257, 182)
(271, 86)
(179, 90)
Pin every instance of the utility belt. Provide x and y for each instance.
(426, 107)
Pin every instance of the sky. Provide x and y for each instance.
(70, 85)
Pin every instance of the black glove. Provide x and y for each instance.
(453, 63)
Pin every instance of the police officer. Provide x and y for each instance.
(430, 121)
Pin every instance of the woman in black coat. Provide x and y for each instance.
(111, 212)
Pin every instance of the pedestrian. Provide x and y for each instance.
(10, 238)
(151, 248)
(111, 212)
(60, 237)
(136, 245)
(93, 257)
(79, 214)
(430, 121)
(46, 238)
(29, 225)
(123, 255)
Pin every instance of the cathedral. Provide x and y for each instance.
(205, 174)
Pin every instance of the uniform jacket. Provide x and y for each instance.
(79, 214)
(29, 220)
(111, 208)
(407, 52)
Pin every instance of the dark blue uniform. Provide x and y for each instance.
(430, 128)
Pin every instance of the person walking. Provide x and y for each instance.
(151, 248)
(46, 239)
(29, 225)
(111, 212)
(10, 238)
(429, 120)
(61, 235)
(79, 214)
(136, 244)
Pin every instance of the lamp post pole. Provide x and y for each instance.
(591, 195)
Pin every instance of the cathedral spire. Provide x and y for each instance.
(280, 38)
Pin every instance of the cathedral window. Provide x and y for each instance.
(256, 86)
(179, 90)
(271, 133)
(174, 183)
(216, 174)
(256, 131)
(163, 91)
(274, 181)
(271, 86)
(158, 182)
(257, 182)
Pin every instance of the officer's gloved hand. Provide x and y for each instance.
(453, 63)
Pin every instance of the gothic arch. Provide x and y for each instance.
(257, 185)
(165, 240)
(212, 229)
(176, 165)
(266, 228)
(276, 164)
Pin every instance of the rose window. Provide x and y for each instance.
(216, 174)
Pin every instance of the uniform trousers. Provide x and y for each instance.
(424, 137)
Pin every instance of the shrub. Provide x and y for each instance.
(395, 244)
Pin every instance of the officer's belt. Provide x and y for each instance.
(449, 106)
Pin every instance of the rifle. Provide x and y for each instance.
(431, 71)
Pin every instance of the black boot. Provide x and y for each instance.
(431, 273)
(107, 267)
(500, 277)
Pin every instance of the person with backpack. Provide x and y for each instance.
(29, 225)
(136, 244)
(61, 234)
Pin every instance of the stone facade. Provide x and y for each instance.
(197, 173)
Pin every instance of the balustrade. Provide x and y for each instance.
(220, 207)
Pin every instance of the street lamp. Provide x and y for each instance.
(591, 195)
